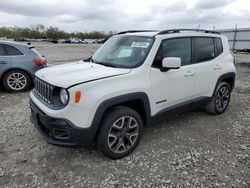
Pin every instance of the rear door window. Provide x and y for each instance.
(204, 49)
(2, 51)
(12, 50)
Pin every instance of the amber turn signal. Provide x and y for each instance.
(77, 96)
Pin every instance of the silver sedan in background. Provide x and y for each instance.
(18, 64)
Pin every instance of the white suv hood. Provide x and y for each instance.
(70, 74)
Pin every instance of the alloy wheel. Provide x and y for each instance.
(16, 81)
(123, 134)
(222, 98)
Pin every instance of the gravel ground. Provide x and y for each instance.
(242, 58)
(60, 53)
(193, 149)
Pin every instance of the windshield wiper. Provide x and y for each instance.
(90, 59)
(105, 64)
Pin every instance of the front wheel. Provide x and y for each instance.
(120, 132)
(220, 99)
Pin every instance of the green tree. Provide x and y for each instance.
(40, 31)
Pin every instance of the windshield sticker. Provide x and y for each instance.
(140, 44)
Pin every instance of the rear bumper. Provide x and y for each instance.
(60, 132)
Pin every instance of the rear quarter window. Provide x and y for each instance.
(12, 50)
(218, 46)
(36, 52)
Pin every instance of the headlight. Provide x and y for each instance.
(64, 96)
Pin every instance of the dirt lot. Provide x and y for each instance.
(60, 53)
(193, 149)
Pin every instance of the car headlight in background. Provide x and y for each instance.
(64, 96)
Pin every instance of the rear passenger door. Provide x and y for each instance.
(206, 52)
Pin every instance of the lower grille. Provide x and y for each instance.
(44, 90)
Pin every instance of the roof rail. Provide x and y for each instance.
(135, 31)
(179, 30)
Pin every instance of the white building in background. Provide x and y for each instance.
(239, 39)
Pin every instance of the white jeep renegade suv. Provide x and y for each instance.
(132, 80)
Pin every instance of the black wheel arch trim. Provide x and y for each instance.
(105, 105)
(225, 76)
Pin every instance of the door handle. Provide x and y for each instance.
(190, 74)
(217, 67)
(3, 62)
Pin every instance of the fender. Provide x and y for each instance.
(143, 97)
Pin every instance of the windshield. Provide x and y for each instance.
(123, 51)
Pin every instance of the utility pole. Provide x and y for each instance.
(235, 33)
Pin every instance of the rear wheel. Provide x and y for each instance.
(120, 132)
(16, 80)
(220, 99)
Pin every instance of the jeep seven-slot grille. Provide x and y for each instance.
(43, 90)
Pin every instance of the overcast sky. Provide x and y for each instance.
(117, 15)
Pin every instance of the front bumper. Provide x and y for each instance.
(59, 131)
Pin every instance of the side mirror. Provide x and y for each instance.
(170, 63)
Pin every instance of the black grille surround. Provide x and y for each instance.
(44, 90)
(48, 94)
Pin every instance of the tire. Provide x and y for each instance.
(16, 81)
(220, 99)
(120, 132)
